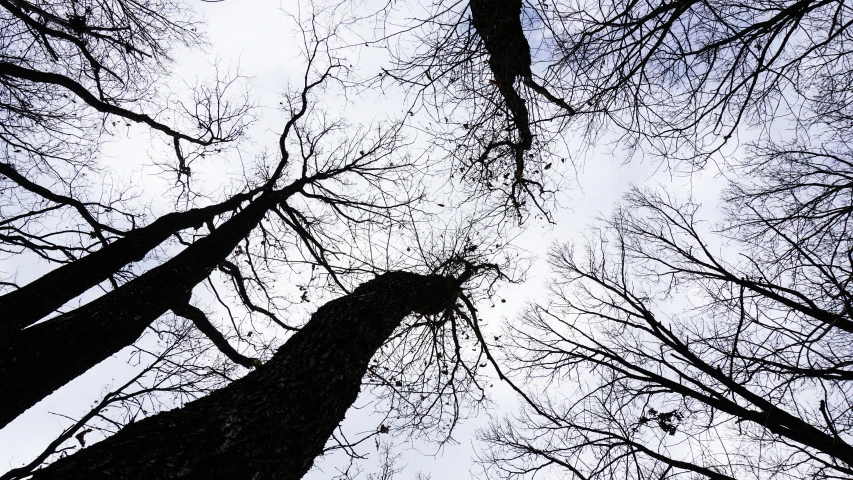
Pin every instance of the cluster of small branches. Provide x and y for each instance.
(224, 277)
(511, 89)
(719, 352)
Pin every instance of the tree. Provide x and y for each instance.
(513, 89)
(693, 354)
(312, 211)
(70, 73)
(471, 55)
(39, 359)
(273, 422)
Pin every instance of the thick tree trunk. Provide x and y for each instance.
(498, 23)
(38, 360)
(272, 423)
(29, 304)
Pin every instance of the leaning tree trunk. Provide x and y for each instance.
(27, 305)
(38, 360)
(272, 423)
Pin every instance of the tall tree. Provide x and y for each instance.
(37, 360)
(693, 355)
(513, 89)
(273, 422)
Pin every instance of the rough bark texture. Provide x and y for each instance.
(27, 305)
(38, 360)
(272, 423)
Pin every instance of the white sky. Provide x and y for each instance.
(258, 36)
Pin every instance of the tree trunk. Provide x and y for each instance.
(29, 304)
(498, 23)
(38, 360)
(272, 423)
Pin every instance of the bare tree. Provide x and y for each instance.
(512, 89)
(32, 356)
(694, 354)
(273, 422)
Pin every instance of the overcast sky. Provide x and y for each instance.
(259, 37)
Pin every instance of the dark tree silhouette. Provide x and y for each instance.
(273, 422)
(479, 58)
(512, 88)
(693, 354)
(37, 360)
(313, 212)
(499, 26)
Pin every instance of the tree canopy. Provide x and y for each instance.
(677, 339)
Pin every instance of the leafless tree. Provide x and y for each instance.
(276, 420)
(722, 355)
(329, 211)
(467, 68)
(512, 89)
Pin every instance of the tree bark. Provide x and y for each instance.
(38, 360)
(498, 23)
(272, 423)
(29, 304)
